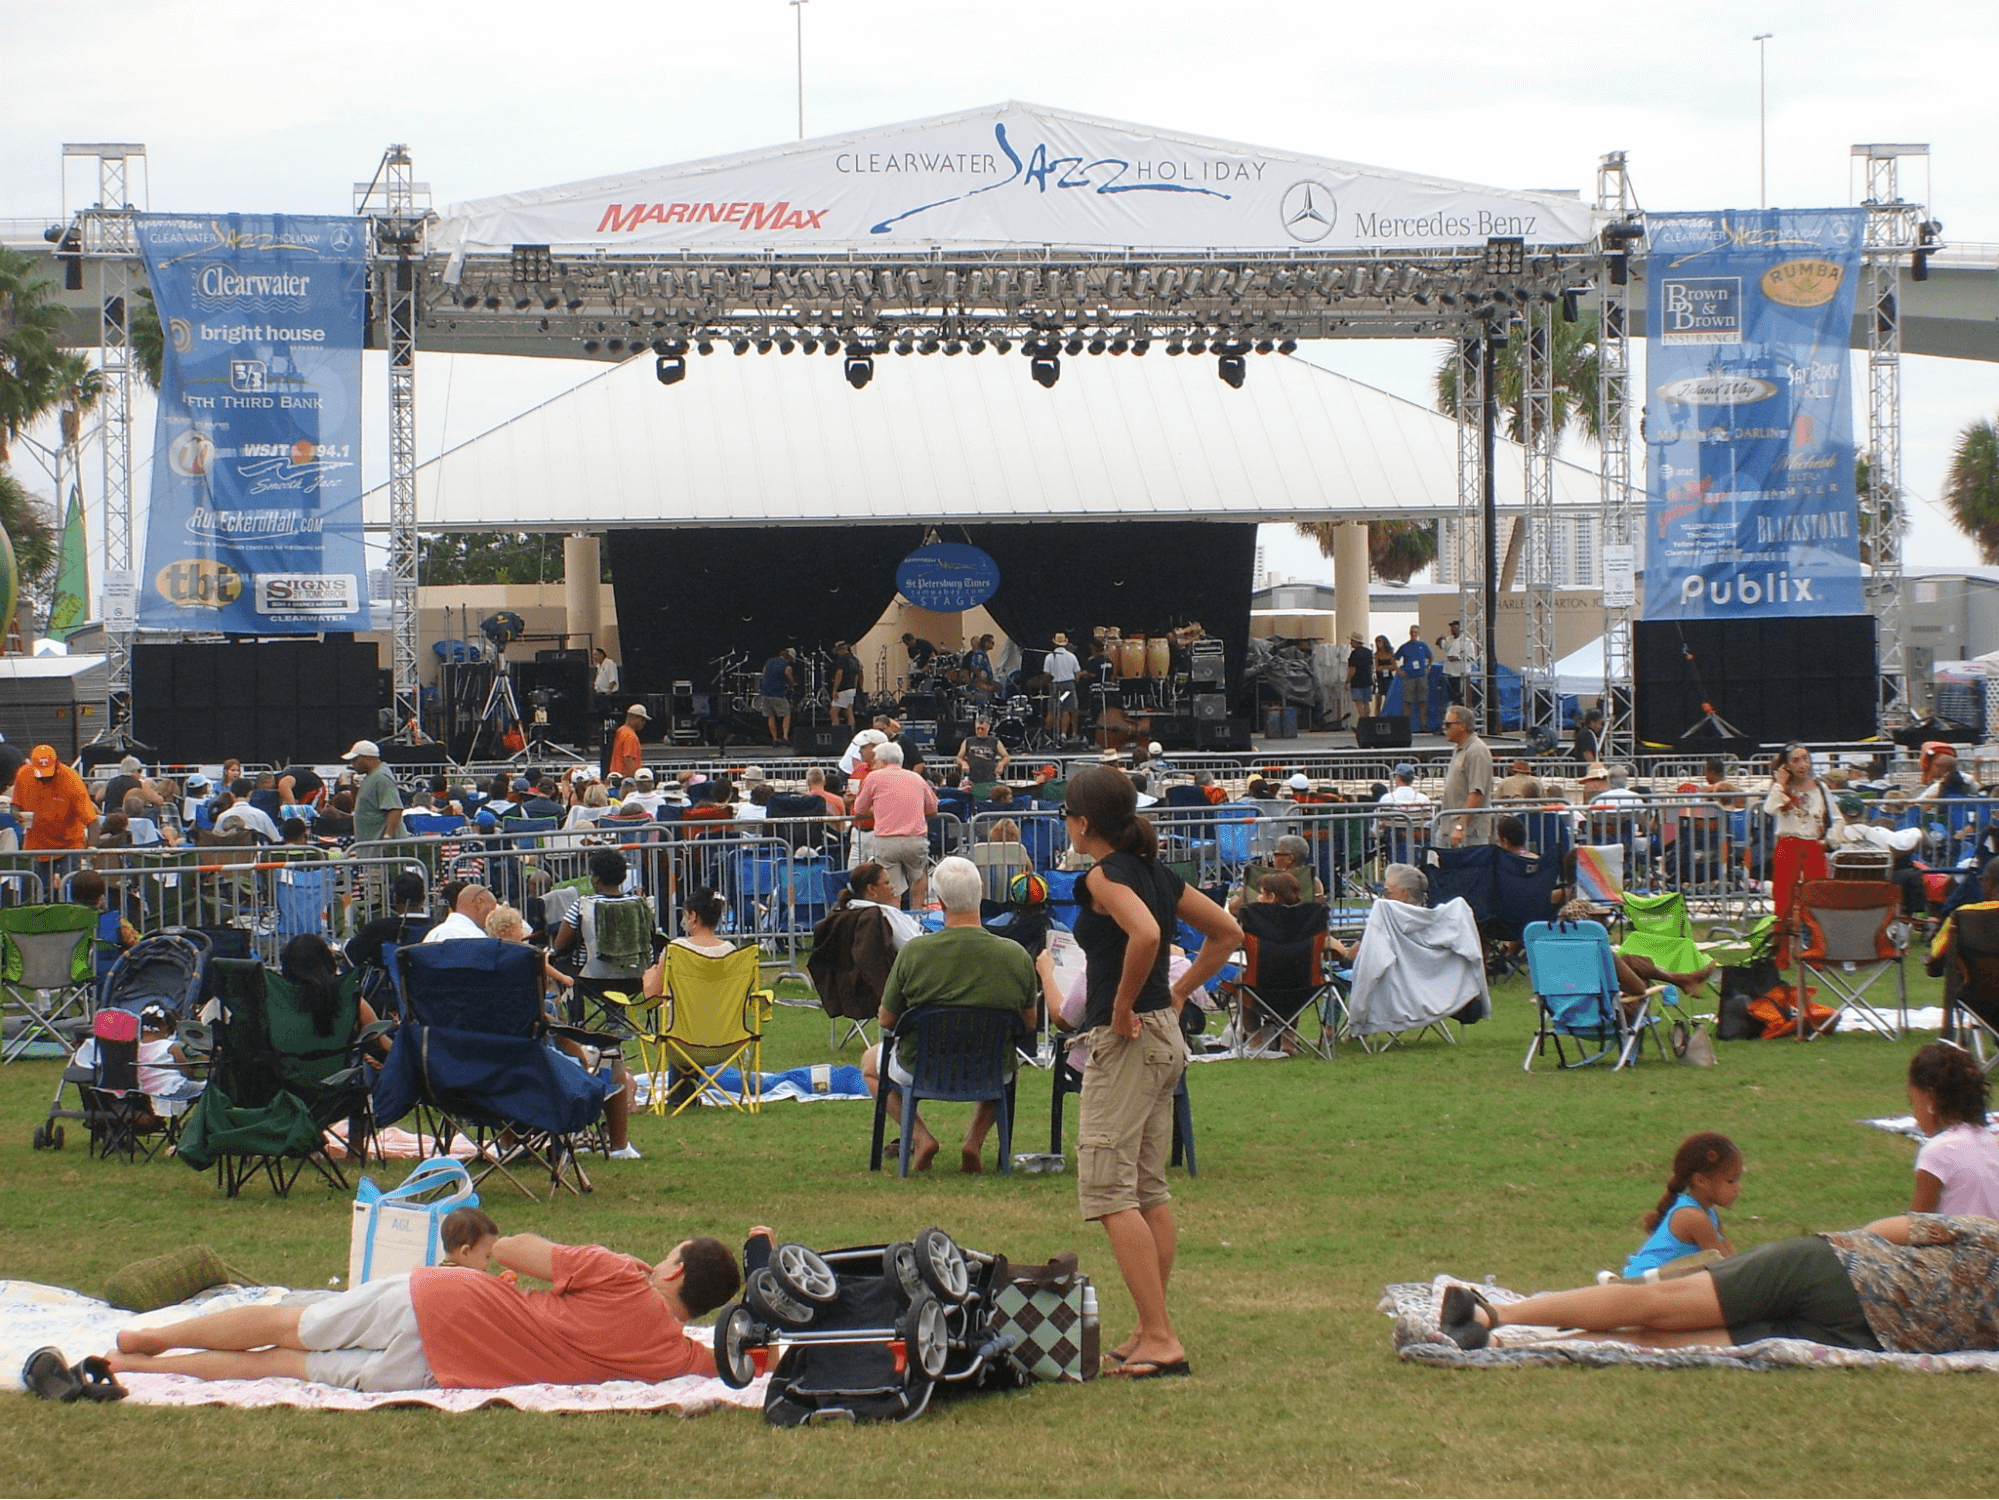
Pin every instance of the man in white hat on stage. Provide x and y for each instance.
(626, 756)
(1062, 669)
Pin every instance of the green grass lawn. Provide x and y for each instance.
(1320, 1183)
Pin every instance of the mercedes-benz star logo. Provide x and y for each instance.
(1307, 211)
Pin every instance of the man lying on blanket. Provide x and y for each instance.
(607, 1317)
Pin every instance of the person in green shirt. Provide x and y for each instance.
(378, 806)
(961, 965)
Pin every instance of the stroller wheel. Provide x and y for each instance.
(766, 1297)
(740, 1332)
(55, 1138)
(41, 1137)
(804, 1273)
(926, 1339)
(941, 1264)
(899, 1264)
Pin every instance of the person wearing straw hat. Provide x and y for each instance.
(1062, 666)
(626, 755)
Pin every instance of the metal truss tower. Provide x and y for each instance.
(108, 238)
(1619, 540)
(1893, 231)
(400, 223)
(1538, 702)
(1469, 538)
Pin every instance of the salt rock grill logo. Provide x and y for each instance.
(622, 219)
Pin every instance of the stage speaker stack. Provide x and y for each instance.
(1211, 706)
(277, 701)
(1383, 732)
(1221, 734)
(826, 740)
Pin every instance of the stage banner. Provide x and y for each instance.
(1749, 418)
(1013, 175)
(255, 525)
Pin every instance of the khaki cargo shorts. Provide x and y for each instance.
(1127, 1127)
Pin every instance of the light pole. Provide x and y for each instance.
(798, 10)
(1762, 118)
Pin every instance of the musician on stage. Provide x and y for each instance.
(982, 757)
(978, 666)
(920, 651)
(1062, 668)
(846, 683)
(774, 692)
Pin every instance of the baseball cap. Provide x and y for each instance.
(1405, 769)
(197, 780)
(363, 747)
(581, 775)
(1300, 782)
(1155, 748)
(43, 759)
(639, 709)
(521, 784)
(643, 775)
(870, 737)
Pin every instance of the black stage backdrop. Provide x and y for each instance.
(688, 595)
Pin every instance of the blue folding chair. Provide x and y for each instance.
(1574, 975)
(964, 1054)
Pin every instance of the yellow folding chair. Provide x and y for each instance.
(715, 1018)
(641, 1014)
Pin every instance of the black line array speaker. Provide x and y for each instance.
(1383, 732)
(1811, 678)
(276, 701)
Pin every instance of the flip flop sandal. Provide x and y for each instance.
(1457, 1320)
(96, 1381)
(47, 1374)
(1146, 1369)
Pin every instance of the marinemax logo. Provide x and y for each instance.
(620, 219)
(1308, 211)
(1717, 390)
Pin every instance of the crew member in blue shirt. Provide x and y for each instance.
(1414, 656)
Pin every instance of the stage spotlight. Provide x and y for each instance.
(669, 371)
(1289, 346)
(1230, 368)
(859, 370)
(1074, 347)
(471, 301)
(591, 346)
(1003, 346)
(616, 346)
(1505, 255)
(1120, 344)
(1265, 346)
(706, 346)
(928, 346)
(1197, 346)
(831, 342)
(1569, 305)
(784, 344)
(492, 303)
(549, 302)
(659, 348)
(763, 346)
(976, 346)
(521, 304)
(809, 344)
(1926, 241)
(741, 346)
(1046, 370)
(1096, 346)
(1139, 346)
(905, 345)
(953, 346)
(1175, 347)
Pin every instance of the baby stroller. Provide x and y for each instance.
(865, 1335)
(165, 969)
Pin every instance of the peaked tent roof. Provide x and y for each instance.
(1015, 174)
(755, 441)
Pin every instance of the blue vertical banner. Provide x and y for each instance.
(255, 525)
(1749, 414)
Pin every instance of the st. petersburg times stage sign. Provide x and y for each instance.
(1016, 175)
(255, 524)
(1749, 415)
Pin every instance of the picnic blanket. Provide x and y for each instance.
(806, 1085)
(32, 1314)
(1413, 1305)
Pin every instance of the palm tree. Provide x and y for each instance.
(1971, 489)
(1573, 404)
(1396, 550)
(37, 374)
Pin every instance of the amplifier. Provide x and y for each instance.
(1208, 669)
(1221, 734)
(1383, 732)
(1211, 706)
(820, 739)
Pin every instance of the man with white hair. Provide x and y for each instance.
(961, 965)
(1405, 883)
(901, 803)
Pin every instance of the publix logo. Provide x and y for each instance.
(1748, 588)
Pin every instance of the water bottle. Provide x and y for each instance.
(1092, 1334)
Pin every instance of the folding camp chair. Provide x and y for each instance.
(964, 1054)
(474, 1056)
(251, 1117)
(998, 863)
(1662, 931)
(110, 1104)
(1849, 936)
(1971, 984)
(618, 932)
(1574, 974)
(714, 1019)
(1283, 977)
(1416, 970)
(1600, 874)
(47, 972)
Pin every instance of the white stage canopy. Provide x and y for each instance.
(1009, 176)
(750, 441)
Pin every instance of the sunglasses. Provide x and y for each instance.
(1070, 812)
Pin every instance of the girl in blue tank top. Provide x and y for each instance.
(1707, 1175)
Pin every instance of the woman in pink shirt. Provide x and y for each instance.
(1957, 1171)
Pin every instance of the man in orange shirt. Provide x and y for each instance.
(55, 798)
(626, 756)
(607, 1317)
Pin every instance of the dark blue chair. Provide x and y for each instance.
(1069, 1080)
(964, 1055)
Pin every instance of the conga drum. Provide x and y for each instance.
(1159, 657)
(1129, 654)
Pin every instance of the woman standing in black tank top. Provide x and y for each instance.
(1128, 904)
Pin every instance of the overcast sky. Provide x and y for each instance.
(260, 108)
